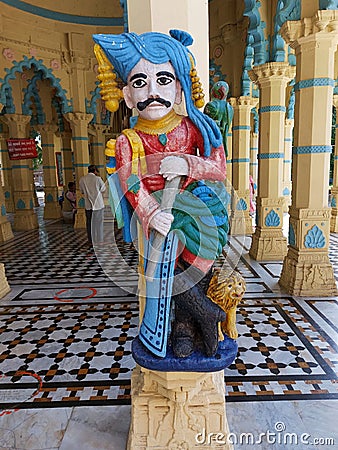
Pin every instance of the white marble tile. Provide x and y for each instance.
(93, 428)
(37, 429)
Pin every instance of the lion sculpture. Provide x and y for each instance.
(227, 290)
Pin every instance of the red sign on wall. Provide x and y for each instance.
(21, 148)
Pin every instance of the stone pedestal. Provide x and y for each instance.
(240, 220)
(178, 410)
(6, 232)
(4, 287)
(307, 270)
(268, 242)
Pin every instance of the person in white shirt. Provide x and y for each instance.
(92, 186)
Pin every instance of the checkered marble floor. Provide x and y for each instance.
(66, 328)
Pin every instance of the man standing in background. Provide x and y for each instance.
(92, 186)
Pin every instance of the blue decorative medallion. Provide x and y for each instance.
(49, 198)
(241, 205)
(292, 236)
(286, 191)
(21, 204)
(81, 202)
(3, 210)
(314, 238)
(7, 195)
(272, 219)
(333, 202)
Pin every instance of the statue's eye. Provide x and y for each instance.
(230, 286)
(163, 80)
(138, 83)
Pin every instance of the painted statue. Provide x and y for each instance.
(220, 110)
(171, 169)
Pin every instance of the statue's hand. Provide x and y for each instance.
(173, 166)
(161, 222)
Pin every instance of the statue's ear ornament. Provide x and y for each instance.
(110, 93)
(196, 86)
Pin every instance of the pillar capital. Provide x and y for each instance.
(243, 101)
(323, 25)
(265, 73)
(77, 118)
(47, 128)
(17, 124)
(99, 128)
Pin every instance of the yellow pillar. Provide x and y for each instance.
(229, 147)
(268, 242)
(287, 184)
(241, 222)
(334, 190)
(307, 270)
(5, 226)
(23, 195)
(6, 169)
(98, 144)
(52, 208)
(253, 155)
(67, 164)
(79, 125)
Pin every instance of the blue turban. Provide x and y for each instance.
(125, 50)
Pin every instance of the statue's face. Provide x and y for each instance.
(152, 89)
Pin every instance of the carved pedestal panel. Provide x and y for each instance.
(6, 232)
(172, 410)
(4, 287)
(307, 270)
(268, 242)
(240, 220)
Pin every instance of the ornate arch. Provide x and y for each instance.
(256, 27)
(91, 107)
(28, 63)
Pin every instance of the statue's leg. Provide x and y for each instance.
(190, 296)
(229, 325)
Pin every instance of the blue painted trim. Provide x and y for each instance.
(97, 144)
(287, 161)
(81, 165)
(64, 149)
(229, 161)
(79, 138)
(48, 145)
(20, 167)
(49, 167)
(241, 127)
(241, 160)
(254, 149)
(272, 108)
(253, 164)
(314, 82)
(270, 155)
(62, 17)
(288, 140)
(307, 149)
(5, 168)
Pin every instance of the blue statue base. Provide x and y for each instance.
(196, 362)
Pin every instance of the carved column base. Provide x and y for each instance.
(25, 220)
(173, 410)
(241, 224)
(9, 205)
(4, 286)
(52, 210)
(80, 219)
(308, 275)
(6, 232)
(268, 245)
(334, 220)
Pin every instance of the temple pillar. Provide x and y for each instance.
(307, 270)
(67, 164)
(98, 144)
(334, 189)
(241, 222)
(52, 208)
(79, 124)
(287, 184)
(268, 242)
(23, 195)
(253, 155)
(6, 170)
(6, 232)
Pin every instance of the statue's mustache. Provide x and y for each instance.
(142, 105)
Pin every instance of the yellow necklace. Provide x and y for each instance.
(160, 126)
